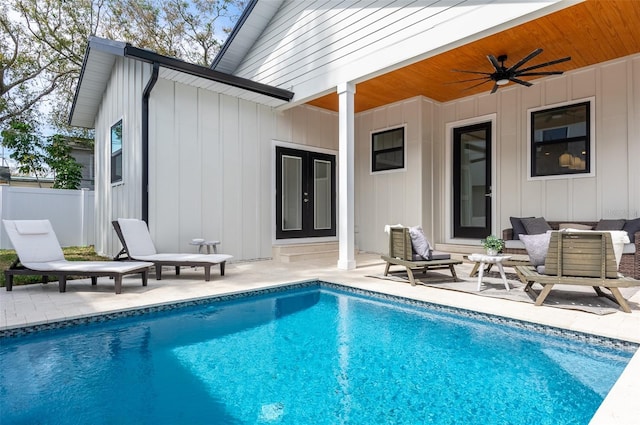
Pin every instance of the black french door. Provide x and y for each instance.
(472, 181)
(305, 194)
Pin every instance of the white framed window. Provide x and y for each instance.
(561, 141)
(388, 149)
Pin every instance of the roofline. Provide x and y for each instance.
(118, 48)
(208, 73)
(236, 29)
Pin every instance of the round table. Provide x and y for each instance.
(484, 259)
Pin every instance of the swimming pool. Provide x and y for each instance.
(306, 354)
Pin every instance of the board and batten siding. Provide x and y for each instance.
(210, 173)
(122, 99)
(614, 191)
(311, 47)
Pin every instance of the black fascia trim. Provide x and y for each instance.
(209, 74)
(236, 29)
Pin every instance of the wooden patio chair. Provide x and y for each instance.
(401, 254)
(579, 258)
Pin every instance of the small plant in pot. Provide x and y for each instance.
(493, 245)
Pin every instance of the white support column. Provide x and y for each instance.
(346, 188)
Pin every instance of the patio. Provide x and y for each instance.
(32, 304)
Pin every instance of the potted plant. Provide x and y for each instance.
(493, 244)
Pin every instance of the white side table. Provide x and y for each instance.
(490, 259)
(209, 244)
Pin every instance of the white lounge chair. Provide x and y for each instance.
(39, 253)
(137, 245)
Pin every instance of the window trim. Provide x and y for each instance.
(591, 135)
(404, 149)
(117, 153)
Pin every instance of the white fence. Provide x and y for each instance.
(69, 211)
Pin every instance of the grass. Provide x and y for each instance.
(73, 253)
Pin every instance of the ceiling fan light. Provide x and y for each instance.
(502, 82)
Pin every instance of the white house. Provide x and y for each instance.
(325, 121)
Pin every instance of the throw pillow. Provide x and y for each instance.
(518, 227)
(537, 247)
(535, 226)
(631, 227)
(420, 243)
(611, 224)
(575, 226)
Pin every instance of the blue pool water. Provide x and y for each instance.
(312, 355)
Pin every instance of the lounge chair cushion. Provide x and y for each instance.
(420, 244)
(139, 243)
(34, 240)
(537, 247)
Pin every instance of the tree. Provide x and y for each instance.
(67, 171)
(40, 157)
(43, 42)
(27, 149)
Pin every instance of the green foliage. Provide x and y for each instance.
(68, 173)
(26, 148)
(493, 242)
(32, 153)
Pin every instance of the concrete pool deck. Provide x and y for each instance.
(35, 304)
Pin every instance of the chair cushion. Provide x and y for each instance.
(537, 247)
(137, 237)
(419, 242)
(631, 227)
(34, 241)
(518, 227)
(617, 224)
(536, 225)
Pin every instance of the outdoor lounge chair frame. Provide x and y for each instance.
(579, 258)
(401, 254)
(17, 268)
(124, 255)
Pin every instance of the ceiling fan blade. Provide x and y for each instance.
(524, 83)
(526, 74)
(476, 85)
(471, 72)
(495, 88)
(525, 59)
(494, 62)
(553, 62)
(470, 79)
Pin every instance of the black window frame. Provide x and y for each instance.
(568, 155)
(116, 155)
(375, 154)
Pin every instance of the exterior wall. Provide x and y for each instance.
(614, 192)
(211, 166)
(311, 47)
(392, 197)
(122, 100)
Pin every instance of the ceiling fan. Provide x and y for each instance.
(502, 75)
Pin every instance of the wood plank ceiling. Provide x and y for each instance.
(591, 32)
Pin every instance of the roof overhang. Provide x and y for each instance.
(101, 55)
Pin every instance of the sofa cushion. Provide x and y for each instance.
(536, 225)
(611, 224)
(518, 227)
(537, 247)
(631, 227)
(565, 226)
